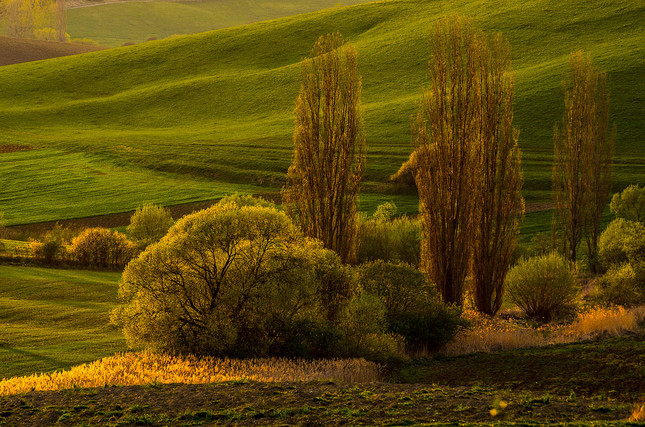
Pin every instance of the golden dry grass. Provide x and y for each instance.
(492, 334)
(149, 368)
(611, 321)
(639, 412)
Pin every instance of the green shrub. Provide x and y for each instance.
(242, 281)
(246, 200)
(543, 286)
(148, 224)
(363, 324)
(413, 306)
(48, 252)
(404, 179)
(635, 249)
(630, 204)
(619, 287)
(384, 212)
(429, 328)
(307, 337)
(400, 287)
(611, 245)
(51, 248)
(384, 238)
(336, 283)
(100, 247)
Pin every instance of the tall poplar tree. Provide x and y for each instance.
(499, 176)
(445, 132)
(583, 154)
(468, 164)
(321, 192)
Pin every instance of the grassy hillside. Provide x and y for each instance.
(43, 329)
(182, 119)
(113, 24)
(16, 51)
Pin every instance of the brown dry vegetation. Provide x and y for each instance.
(12, 148)
(16, 51)
(495, 334)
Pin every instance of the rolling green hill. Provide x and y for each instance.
(113, 24)
(192, 117)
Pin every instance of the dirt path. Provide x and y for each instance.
(76, 4)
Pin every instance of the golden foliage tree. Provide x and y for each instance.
(323, 180)
(468, 164)
(583, 153)
(40, 19)
(444, 134)
(499, 176)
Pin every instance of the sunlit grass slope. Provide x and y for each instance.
(53, 319)
(217, 107)
(113, 24)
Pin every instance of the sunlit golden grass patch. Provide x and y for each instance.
(492, 334)
(639, 412)
(611, 321)
(149, 368)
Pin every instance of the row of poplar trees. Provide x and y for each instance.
(468, 172)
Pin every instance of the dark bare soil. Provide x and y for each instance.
(301, 404)
(16, 51)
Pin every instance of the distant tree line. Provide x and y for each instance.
(35, 19)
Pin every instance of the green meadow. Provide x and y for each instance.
(113, 24)
(191, 118)
(53, 319)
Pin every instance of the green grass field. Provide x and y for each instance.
(53, 319)
(113, 24)
(192, 117)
